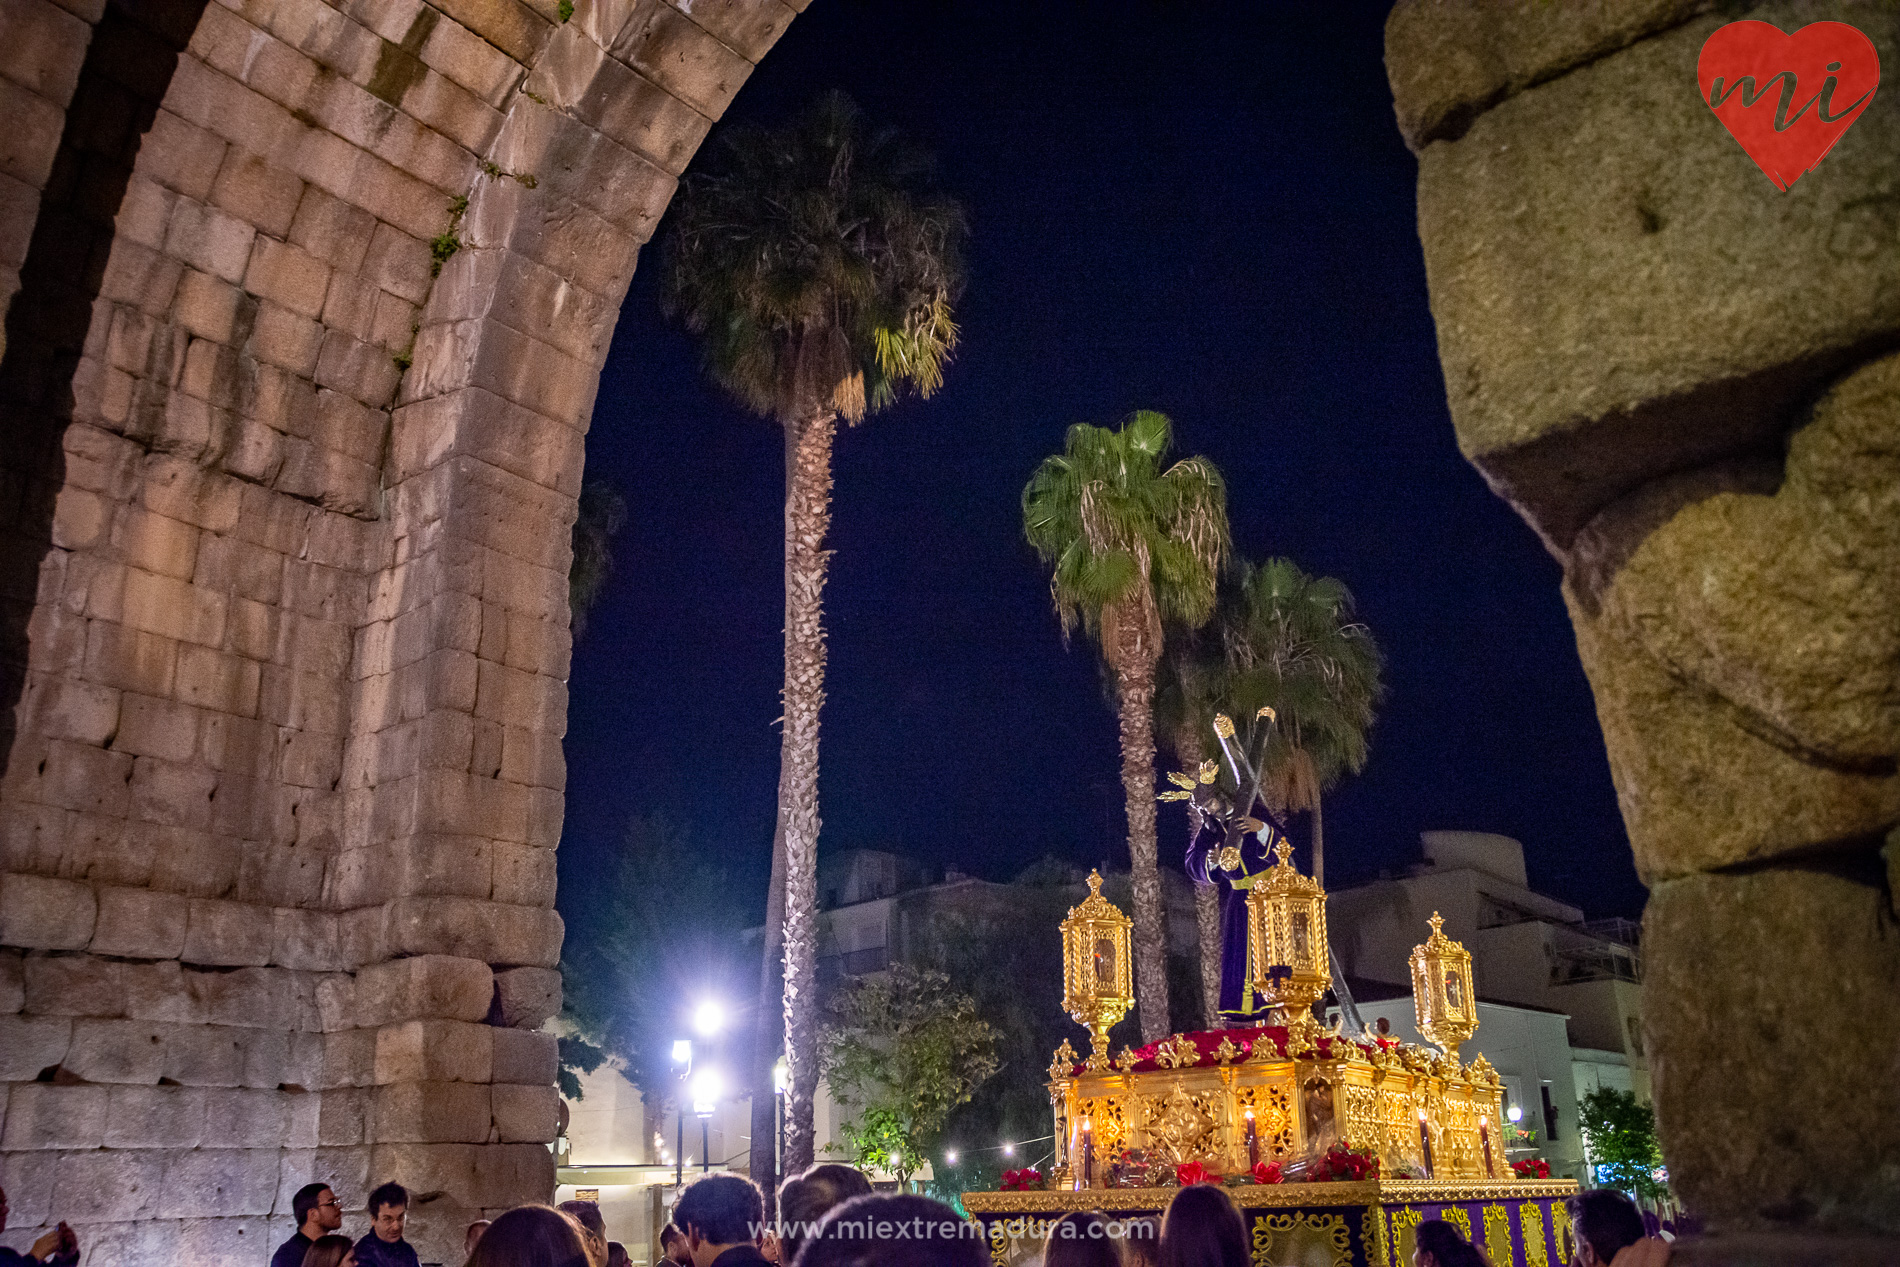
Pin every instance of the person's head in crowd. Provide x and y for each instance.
(317, 1210)
(617, 1255)
(330, 1251)
(1203, 1229)
(472, 1236)
(804, 1200)
(1602, 1221)
(717, 1213)
(388, 1212)
(845, 1181)
(917, 1232)
(1141, 1243)
(531, 1236)
(673, 1247)
(593, 1226)
(1442, 1245)
(1081, 1239)
(61, 1240)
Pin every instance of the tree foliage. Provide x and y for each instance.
(1294, 644)
(1132, 544)
(599, 515)
(1619, 1135)
(819, 265)
(902, 1049)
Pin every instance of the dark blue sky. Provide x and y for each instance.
(1202, 209)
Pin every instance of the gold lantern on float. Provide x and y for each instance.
(1097, 981)
(1442, 998)
(1286, 931)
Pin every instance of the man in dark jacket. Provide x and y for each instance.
(317, 1211)
(383, 1245)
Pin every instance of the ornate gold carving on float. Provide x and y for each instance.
(1530, 1221)
(1098, 982)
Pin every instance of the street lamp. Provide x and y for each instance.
(781, 1081)
(708, 1018)
(1515, 1114)
(683, 1057)
(706, 1090)
(950, 1158)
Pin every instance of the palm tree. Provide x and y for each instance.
(1132, 545)
(821, 269)
(1190, 682)
(1294, 646)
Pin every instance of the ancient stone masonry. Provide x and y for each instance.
(1687, 383)
(306, 305)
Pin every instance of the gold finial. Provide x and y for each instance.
(1095, 883)
(1223, 725)
(1268, 713)
(1282, 851)
(1437, 922)
(1209, 771)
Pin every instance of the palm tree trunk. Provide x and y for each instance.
(1319, 845)
(807, 517)
(765, 1039)
(1135, 689)
(1188, 747)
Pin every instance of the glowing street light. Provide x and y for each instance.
(950, 1158)
(708, 1018)
(682, 1051)
(1514, 1113)
(1009, 1150)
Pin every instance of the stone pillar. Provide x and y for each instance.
(307, 306)
(1686, 382)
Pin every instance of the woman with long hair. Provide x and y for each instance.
(1442, 1245)
(1203, 1229)
(330, 1251)
(531, 1236)
(1080, 1239)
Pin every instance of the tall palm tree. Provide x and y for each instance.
(820, 267)
(1190, 682)
(1132, 545)
(1294, 646)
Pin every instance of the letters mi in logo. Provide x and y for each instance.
(1787, 98)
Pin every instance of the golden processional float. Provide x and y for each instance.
(1335, 1146)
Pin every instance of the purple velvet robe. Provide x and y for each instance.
(1240, 1003)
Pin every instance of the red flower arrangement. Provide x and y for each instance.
(1344, 1163)
(1266, 1172)
(1028, 1179)
(1531, 1168)
(1189, 1173)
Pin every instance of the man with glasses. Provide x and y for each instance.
(317, 1214)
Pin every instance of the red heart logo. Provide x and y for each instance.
(1787, 98)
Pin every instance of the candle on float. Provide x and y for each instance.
(1425, 1142)
(1253, 1140)
(1088, 1154)
(1484, 1143)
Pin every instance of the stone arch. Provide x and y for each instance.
(289, 477)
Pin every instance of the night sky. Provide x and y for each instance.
(1202, 209)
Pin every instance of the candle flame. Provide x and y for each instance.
(1250, 1114)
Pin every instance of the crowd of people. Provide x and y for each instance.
(830, 1217)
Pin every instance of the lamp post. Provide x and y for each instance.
(705, 1097)
(683, 1057)
(781, 1079)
